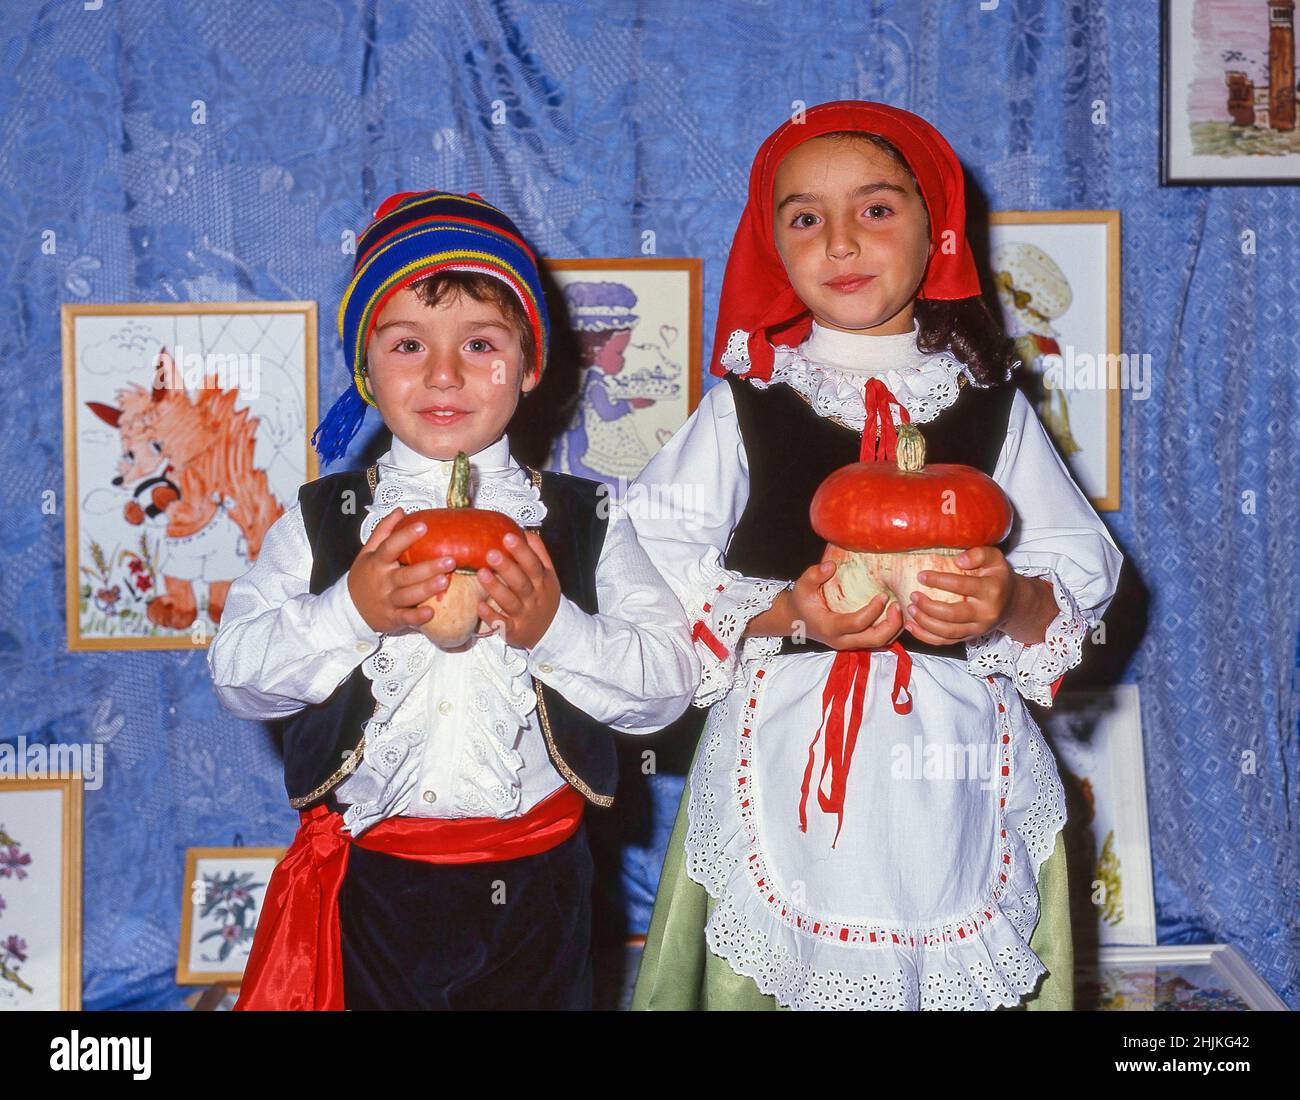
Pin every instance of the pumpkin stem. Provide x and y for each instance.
(910, 453)
(458, 487)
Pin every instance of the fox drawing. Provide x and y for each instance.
(188, 467)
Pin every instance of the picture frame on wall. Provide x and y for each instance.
(1195, 977)
(40, 894)
(1057, 275)
(1228, 93)
(186, 434)
(224, 891)
(636, 323)
(1097, 739)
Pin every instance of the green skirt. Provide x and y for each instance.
(678, 971)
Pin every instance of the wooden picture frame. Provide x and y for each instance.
(152, 550)
(1044, 265)
(40, 951)
(658, 302)
(209, 900)
(1222, 122)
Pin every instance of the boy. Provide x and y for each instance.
(442, 861)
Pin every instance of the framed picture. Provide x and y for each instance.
(1186, 977)
(1228, 87)
(40, 894)
(636, 324)
(1097, 738)
(186, 430)
(224, 890)
(1057, 274)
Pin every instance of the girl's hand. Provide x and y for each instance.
(805, 604)
(523, 587)
(386, 593)
(996, 596)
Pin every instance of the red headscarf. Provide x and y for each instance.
(756, 292)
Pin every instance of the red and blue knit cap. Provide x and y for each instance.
(416, 234)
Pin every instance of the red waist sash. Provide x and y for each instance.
(296, 961)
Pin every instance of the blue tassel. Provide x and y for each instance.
(341, 423)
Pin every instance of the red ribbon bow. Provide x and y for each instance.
(847, 679)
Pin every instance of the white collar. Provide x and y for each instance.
(863, 352)
(494, 460)
(412, 480)
(925, 384)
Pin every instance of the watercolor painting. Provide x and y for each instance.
(1097, 739)
(1175, 978)
(1057, 278)
(40, 894)
(636, 324)
(186, 433)
(1229, 85)
(225, 888)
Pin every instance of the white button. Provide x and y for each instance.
(363, 647)
(545, 668)
(444, 707)
(430, 797)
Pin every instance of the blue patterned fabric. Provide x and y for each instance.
(593, 125)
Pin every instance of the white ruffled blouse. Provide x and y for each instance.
(928, 898)
(454, 734)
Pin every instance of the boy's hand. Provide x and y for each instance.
(523, 587)
(988, 598)
(839, 630)
(388, 594)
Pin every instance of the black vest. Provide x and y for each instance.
(791, 450)
(324, 743)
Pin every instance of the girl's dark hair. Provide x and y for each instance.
(965, 327)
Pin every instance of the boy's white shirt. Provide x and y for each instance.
(455, 734)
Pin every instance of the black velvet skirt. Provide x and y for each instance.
(508, 935)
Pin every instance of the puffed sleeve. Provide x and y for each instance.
(685, 505)
(1060, 539)
(278, 647)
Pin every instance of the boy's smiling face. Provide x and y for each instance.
(853, 234)
(446, 378)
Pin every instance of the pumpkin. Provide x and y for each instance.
(885, 522)
(465, 534)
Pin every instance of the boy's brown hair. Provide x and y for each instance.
(434, 290)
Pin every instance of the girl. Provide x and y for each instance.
(442, 858)
(912, 872)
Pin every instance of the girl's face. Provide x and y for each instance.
(446, 378)
(853, 233)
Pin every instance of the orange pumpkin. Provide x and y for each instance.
(465, 534)
(885, 522)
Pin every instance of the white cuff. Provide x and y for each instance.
(341, 623)
(1033, 668)
(718, 624)
(561, 642)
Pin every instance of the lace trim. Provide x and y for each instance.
(925, 387)
(1034, 668)
(501, 700)
(718, 622)
(981, 961)
(519, 499)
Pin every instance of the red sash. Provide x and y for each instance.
(296, 962)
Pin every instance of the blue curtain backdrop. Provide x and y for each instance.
(624, 117)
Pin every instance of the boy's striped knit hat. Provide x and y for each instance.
(416, 234)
